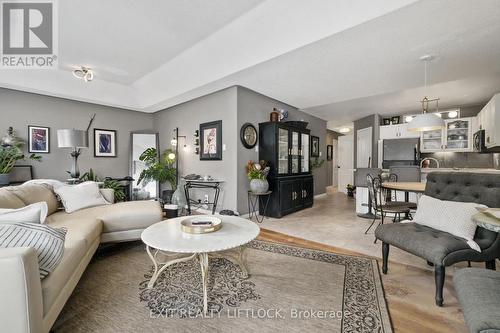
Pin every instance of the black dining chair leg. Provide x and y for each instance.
(373, 222)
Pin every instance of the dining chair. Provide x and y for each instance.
(378, 202)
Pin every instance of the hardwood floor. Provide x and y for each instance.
(409, 292)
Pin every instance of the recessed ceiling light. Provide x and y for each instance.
(344, 130)
(452, 114)
(84, 73)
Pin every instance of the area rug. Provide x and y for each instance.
(289, 289)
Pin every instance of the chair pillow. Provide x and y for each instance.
(450, 216)
(48, 242)
(76, 197)
(34, 213)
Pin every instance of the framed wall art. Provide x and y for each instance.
(329, 152)
(314, 146)
(39, 139)
(104, 143)
(211, 141)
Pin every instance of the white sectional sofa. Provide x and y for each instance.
(28, 304)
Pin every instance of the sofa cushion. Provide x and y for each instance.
(48, 242)
(80, 236)
(34, 213)
(32, 193)
(9, 200)
(121, 216)
(479, 294)
(80, 196)
(450, 216)
(425, 242)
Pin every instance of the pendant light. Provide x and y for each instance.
(426, 121)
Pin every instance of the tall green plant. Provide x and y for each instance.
(9, 155)
(158, 168)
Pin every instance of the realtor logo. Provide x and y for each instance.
(29, 34)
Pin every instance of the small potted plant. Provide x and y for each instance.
(257, 174)
(11, 151)
(350, 190)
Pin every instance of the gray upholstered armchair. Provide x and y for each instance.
(441, 248)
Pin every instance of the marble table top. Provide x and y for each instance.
(487, 222)
(168, 236)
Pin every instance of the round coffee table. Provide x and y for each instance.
(166, 238)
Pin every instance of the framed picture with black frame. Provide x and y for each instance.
(38, 139)
(314, 146)
(104, 143)
(211, 141)
(395, 120)
(329, 152)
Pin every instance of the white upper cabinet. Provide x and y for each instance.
(456, 136)
(489, 120)
(396, 132)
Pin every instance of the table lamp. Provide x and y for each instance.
(76, 139)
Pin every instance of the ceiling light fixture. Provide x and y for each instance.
(452, 114)
(84, 73)
(344, 130)
(426, 121)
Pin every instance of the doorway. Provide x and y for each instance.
(364, 148)
(345, 162)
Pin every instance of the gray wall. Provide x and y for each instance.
(188, 116)
(255, 108)
(20, 109)
(369, 121)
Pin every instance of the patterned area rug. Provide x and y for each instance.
(289, 289)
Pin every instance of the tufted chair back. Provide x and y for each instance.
(481, 188)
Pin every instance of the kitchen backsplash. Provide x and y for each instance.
(461, 160)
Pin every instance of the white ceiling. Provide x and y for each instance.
(339, 60)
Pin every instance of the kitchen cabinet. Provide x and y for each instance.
(457, 136)
(396, 132)
(489, 120)
(286, 148)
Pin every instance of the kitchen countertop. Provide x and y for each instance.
(480, 170)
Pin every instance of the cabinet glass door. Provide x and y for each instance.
(283, 152)
(432, 140)
(457, 134)
(304, 153)
(295, 152)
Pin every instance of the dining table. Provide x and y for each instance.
(407, 187)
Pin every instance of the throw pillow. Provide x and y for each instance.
(76, 197)
(450, 216)
(34, 213)
(48, 242)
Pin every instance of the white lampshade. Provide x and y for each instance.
(425, 122)
(71, 138)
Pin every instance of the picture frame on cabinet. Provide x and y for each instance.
(395, 120)
(386, 121)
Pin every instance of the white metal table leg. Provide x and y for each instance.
(158, 270)
(203, 257)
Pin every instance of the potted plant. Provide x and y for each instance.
(257, 174)
(350, 190)
(161, 169)
(91, 176)
(11, 151)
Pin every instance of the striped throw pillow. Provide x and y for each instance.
(48, 242)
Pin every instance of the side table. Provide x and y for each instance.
(255, 201)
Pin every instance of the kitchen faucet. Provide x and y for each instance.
(429, 159)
